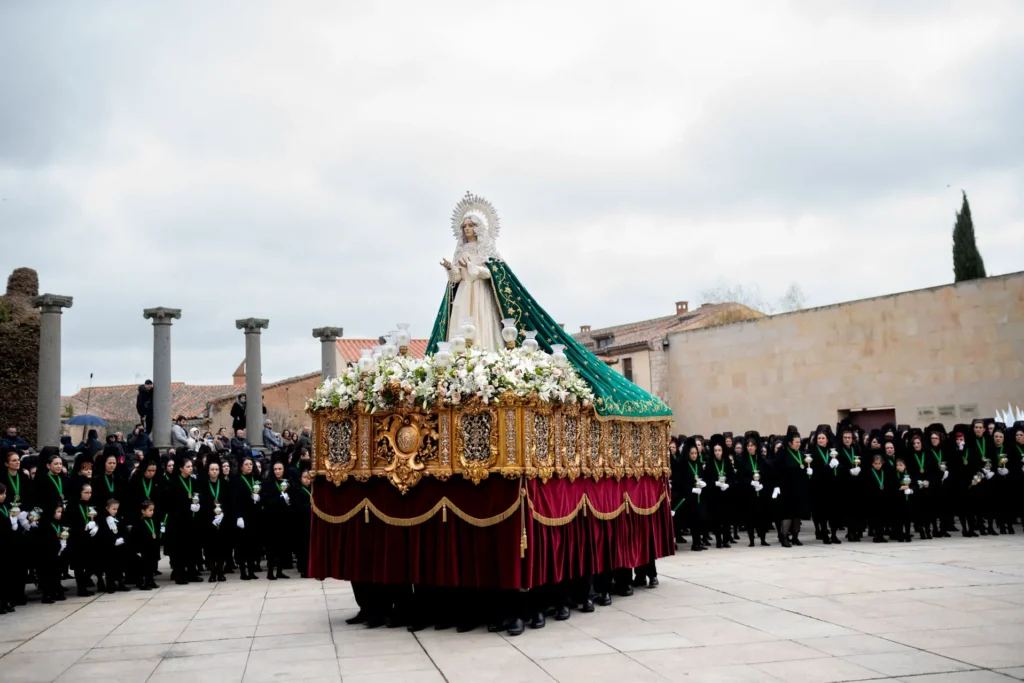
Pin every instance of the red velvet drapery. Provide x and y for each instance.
(446, 550)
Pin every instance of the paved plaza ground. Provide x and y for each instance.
(944, 610)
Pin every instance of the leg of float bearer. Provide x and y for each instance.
(536, 602)
(603, 588)
(562, 599)
(623, 578)
(515, 608)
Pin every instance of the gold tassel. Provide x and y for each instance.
(585, 505)
(444, 513)
(366, 514)
(522, 545)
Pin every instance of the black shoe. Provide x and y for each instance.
(625, 592)
(213, 578)
(653, 583)
(464, 627)
(245, 576)
(515, 627)
(357, 619)
(415, 627)
(271, 577)
(835, 540)
(282, 575)
(764, 542)
(640, 582)
(143, 587)
(827, 540)
(375, 621)
(60, 597)
(796, 541)
(603, 599)
(47, 600)
(101, 586)
(181, 581)
(562, 613)
(879, 539)
(587, 607)
(751, 544)
(785, 543)
(84, 593)
(538, 620)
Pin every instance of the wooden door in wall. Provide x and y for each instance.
(869, 419)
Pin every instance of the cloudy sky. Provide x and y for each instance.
(299, 161)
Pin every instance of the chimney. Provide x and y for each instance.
(682, 307)
(584, 328)
(562, 325)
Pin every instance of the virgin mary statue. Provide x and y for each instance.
(482, 287)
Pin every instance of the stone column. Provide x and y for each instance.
(328, 337)
(48, 416)
(162, 319)
(253, 379)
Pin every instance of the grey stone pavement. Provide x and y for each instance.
(943, 610)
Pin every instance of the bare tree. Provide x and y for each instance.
(748, 295)
(793, 299)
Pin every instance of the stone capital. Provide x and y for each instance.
(161, 315)
(51, 303)
(327, 334)
(252, 325)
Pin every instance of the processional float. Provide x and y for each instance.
(509, 457)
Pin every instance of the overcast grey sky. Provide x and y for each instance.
(299, 161)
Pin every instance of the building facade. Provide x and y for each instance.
(944, 354)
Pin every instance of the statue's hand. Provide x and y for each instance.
(446, 264)
(463, 262)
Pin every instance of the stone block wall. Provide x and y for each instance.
(19, 354)
(957, 345)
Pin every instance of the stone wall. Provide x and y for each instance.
(286, 404)
(641, 367)
(19, 354)
(942, 354)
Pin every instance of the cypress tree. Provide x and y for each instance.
(967, 262)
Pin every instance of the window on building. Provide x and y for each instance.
(627, 368)
(605, 342)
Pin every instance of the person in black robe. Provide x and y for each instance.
(848, 506)
(1015, 464)
(145, 484)
(107, 481)
(229, 531)
(1002, 484)
(303, 507)
(213, 510)
(943, 498)
(21, 497)
(905, 503)
(880, 492)
(247, 510)
(110, 547)
(49, 538)
(826, 485)
(791, 492)
(182, 541)
(144, 545)
(52, 487)
(752, 499)
(974, 447)
(277, 514)
(81, 474)
(9, 528)
(925, 474)
(82, 530)
(694, 504)
(719, 496)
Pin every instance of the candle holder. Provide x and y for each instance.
(284, 486)
(15, 510)
(195, 499)
(443, 357)
(459, 344)
(509, 333)
(365, 362)
(64, 533)
(91, 513)
(558, 357)
(530, 344)
(217, 509)
(468, 330)
(403, 338)
(757, 476)
(256, 488)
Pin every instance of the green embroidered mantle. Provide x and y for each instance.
(614, 395)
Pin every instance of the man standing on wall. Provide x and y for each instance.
(144, 405)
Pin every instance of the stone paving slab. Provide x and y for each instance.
(943, 611)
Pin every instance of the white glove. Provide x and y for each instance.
(118, 542)
(194, 507)
(33, 525)
(91, 525)
(833, 463)
(695, 489)
(163, 529)
(701, 483)
(22, 515)
(63, 547)
(960, 446)
(925, 483)
(14, 523)
(758, 486)
(673, 513)
(93, 531)
(776, 493)
(255, 497)
(724, 487)
(1003, 471)
(855, 471)
(23, 522)
(909, 492)
(945, 475)
(809, 471)
(218, 519)
(989, 474)
(754, 483)
(284, 497)
(240, 523)
(112, 523)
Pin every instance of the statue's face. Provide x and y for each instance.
(469, 228)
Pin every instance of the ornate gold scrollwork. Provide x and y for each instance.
(405, 440)
(543, 441)
(476, 441)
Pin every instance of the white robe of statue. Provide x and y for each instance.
(474, 299)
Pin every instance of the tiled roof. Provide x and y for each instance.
(647, 331)
(117, 403)
(350, 348)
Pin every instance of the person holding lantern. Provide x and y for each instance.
(213, 509)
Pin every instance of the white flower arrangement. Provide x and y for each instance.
(404, 380)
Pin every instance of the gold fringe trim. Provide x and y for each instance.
(585, 504)
(442, 506)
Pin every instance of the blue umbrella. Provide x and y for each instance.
(88, 420)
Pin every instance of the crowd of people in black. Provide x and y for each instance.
(100, 513)
(883, 484)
